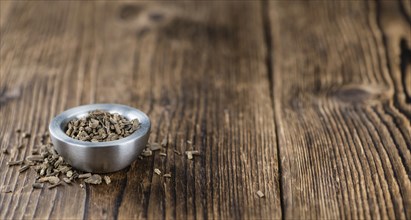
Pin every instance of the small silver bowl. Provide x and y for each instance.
(99, 157)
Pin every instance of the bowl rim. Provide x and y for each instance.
(56, 130)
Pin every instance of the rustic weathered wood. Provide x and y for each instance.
(341, 79)
(197, 69)
(325, 86)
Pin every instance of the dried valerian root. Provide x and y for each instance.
(107, 179)
(192, 153)
(260, 194)
(51, 168)
(50, 179)
(101, 126)
(84, 176)
(13, 163)
(54, 185)
(94, 179)
(147, 152)
(26, 135)
(37, 185)
(154, 146)
(157, 171)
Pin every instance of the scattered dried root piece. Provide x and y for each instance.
(13, 163)
(37, 186)
(168, 175)
(24, 168)
(157, 171)
(147, 152)
(107, 179)
(54, 185)
(195, 152)
(260, 194)
(69, 173)
(190, 154)
(162, 154)
(155, 146)
(94, 179)
(85, 175)
(66, 180)
(26, 135)
(51, 179)
(177, 152)
(37, 158)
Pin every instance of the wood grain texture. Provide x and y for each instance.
(193, 67)
(341, 79)
(308, 102)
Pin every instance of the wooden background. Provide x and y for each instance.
(309, 102)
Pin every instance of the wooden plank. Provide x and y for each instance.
(342, 108)
(193, 67)
(4, 10)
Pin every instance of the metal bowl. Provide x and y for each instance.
(99, 157)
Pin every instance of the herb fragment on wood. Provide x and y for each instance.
(51, 168)
(37, 186)
(155, 146)
(66, 180)
(69, 174)
(94, 179)
(162, 154)
(13, 163)
(35, 158)
(177, 152)
(147, 152)
(85, 175)
(50, 179)
(24, 168)
(168, 175)
(107, 179)
(54, 185)
(195, 152)
(190, 154)
(157, 171)
(26, 135)
(260, 194)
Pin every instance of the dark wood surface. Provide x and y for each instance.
(308, 102)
